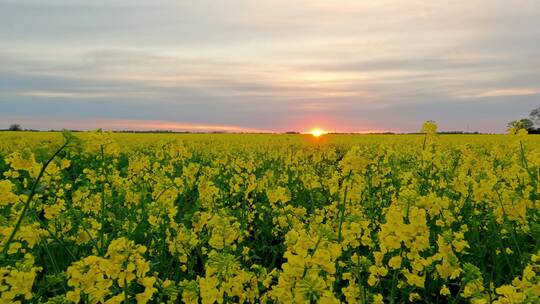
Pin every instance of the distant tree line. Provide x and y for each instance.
(15, 127)
(457, 132)
(527, 123)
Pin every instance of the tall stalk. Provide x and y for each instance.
(102, 206)
(29, 199)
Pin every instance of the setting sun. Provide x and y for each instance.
(317, 132)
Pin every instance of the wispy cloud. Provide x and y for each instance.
(121, 124)
(51, 94)
(507, 92)
(168, 125)
(77, 94)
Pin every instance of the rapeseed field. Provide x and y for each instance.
(97, 217)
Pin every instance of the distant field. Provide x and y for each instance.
(164, 218)
(34, 138)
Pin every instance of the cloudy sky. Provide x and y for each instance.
(271, 65)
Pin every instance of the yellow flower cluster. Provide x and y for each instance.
(308, 274)
(95, 278)
(7, 197)
(16, 282)
(524, 289)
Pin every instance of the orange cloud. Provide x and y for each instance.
(174, 126)
(123, 124)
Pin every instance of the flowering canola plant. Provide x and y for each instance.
(222, 218)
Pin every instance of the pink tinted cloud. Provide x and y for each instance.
(121, 124)
(504, 92)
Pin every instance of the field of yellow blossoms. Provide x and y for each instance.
(97, 217)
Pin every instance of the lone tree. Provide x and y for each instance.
(15, 127)
(519, 124)
(535, 116)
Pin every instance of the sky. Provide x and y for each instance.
(244, 65)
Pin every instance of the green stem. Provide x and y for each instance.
(29, 200)
(46, 228)
(102, 207)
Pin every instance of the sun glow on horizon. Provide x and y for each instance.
(317, 132)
